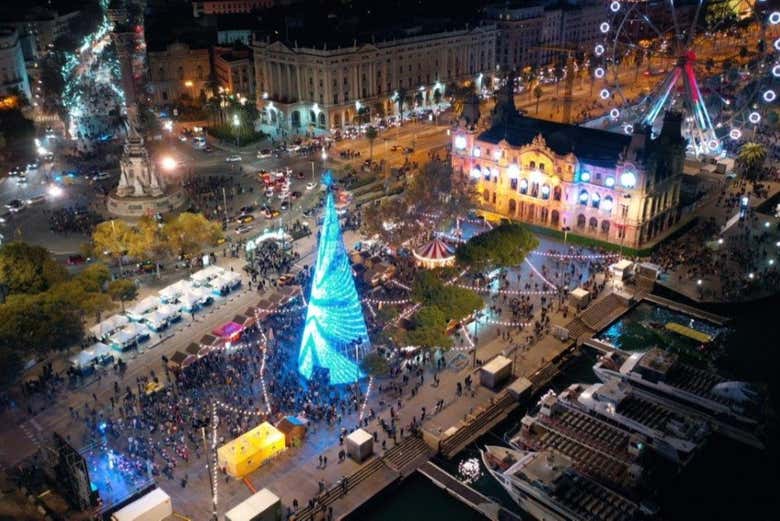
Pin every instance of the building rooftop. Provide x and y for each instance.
(592, 146)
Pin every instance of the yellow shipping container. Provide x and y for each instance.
(246, 453)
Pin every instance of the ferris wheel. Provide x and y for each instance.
(717, 61)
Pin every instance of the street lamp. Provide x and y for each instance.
(236, 124)
(168, 163)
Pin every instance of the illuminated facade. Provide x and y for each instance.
(178, 70)
(334, 335)
(611, 187)
(326, 87)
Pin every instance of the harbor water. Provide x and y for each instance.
(725, 481)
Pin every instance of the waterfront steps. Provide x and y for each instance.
(478, 425)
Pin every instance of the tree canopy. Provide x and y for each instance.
(440, 304)
(28, 269)
(186, 233)
(503, 246)
(46, 307)
(750, 161)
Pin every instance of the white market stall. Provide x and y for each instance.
(109, 326)
(154, 506)
(144, 307)
(130, 335)
(172, 293)
(155, 321)
(225, 283)
(202, 277)
(188, 302)
(170, 312)
(203, 294)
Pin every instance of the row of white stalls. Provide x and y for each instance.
(154, 314)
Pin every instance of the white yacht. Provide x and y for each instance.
(547, 485)
(664, 429)
(732, 408)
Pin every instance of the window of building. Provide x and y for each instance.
(595, 200)
(545, 191)
(523, 186)
(583, 198)
(513, 183)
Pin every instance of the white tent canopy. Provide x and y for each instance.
(203, 276)
(155, 320)
(188, 301)
(169, 311)
(108, 326)
(147, 305)
(174, 291)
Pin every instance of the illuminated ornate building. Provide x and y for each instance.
(611, 187)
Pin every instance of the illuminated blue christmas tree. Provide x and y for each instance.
(335, 333)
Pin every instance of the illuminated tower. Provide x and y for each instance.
(335, 334)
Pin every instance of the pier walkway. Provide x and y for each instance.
(466, 494)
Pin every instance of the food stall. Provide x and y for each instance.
(229, 332)
(202, 277)
(249, 451)
(294, 430)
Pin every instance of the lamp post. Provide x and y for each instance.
(236, 124)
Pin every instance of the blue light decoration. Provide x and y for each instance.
(335, 334)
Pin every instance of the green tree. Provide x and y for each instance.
(538, 95)
(94, 277)
(38, 324)
(28, 269)
(429, 329)
(453, 302)
(750, 161)
(189, 233)
(371, 135)
(122, 290)
(503, 246)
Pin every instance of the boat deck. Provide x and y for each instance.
(593, 501)
(596, 448)
(695, 381)
(653, 415)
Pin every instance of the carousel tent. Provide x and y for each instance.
(435, 254)
(246, 453)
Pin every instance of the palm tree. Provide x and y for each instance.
(538, 95)
(400, 98)
(371, 135)
(750, 160)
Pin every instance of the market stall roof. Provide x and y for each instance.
(209, 340)
(167, 310)
(82, 359)
(145, 306)
(188, 300)
(109, 325)
(206, 274)
(178, 358)
(244, 320)
(175, 290)
(579, 293)
(135, 329)
(193, 348)
(228, 329)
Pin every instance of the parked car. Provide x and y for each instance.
(247, 209)
(262, 154)
(245, 219)
(244, 228)
(233, 158)
(285, 279)
(74, 260)
(101, 176)
(310, 186)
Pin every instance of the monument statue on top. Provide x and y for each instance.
(141, 191)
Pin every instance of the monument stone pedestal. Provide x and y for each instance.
(141, 191)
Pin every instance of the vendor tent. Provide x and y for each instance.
(197, 350)
(176, 361)
(172, 293)
(188, 302)
(170, 312)
(229, 331)
(202, 277)
(108, 326)
(82, 360)
(210, 341)
(246, 453)
(203, 294)
(155, 321)
(294, 430)
(244, 320)
(147, 305)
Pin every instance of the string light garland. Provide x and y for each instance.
(538, 274)
(573, 256)
(365, 400)
(483, 289)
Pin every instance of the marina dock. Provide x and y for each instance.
(489, 508)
